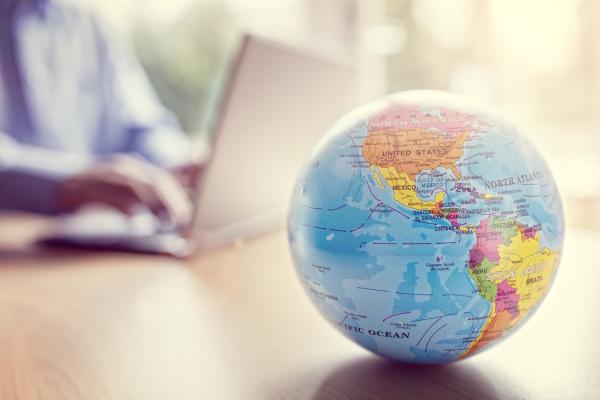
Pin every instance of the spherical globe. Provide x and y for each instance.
(425, 228)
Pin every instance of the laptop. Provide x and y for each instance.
(276, 103)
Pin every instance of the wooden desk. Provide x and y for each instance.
(235, 324)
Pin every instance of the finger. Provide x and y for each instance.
(174, 197)
(147, 196)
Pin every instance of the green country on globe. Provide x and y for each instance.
(425, 227)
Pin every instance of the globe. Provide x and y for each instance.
(425, 228)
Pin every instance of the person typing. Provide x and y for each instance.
(79, 120)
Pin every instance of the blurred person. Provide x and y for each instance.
(79, 120)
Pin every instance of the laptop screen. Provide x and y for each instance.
(278, 103)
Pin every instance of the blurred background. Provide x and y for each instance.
(537, 62)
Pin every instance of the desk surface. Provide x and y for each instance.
(234, 324)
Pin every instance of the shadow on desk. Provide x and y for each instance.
(375, 378)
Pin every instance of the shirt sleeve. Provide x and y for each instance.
(152, 130)
(30, 175)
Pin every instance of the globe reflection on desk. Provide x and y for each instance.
(425, 228)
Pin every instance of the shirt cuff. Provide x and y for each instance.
(30, 176)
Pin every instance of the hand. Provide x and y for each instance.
(126, 183)
(188, 175)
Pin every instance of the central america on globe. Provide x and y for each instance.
(425, 227)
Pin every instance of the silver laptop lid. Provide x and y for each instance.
(278, 103)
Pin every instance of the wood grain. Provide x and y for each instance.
(234, 324)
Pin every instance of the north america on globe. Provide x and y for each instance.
(425, 227)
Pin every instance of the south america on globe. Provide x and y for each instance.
(425, 228)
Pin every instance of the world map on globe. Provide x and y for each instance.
(425, 228)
